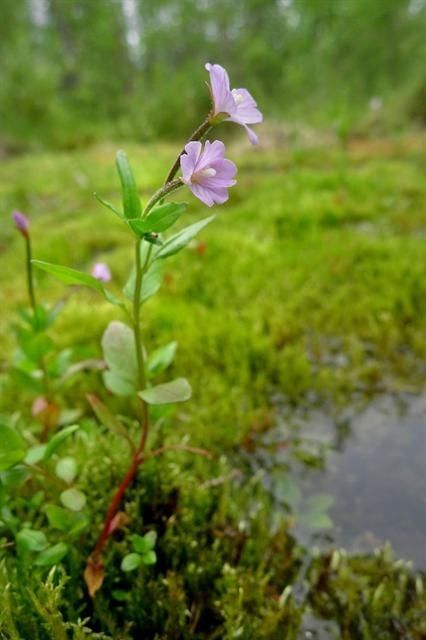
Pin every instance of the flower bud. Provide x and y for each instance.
(22, 223)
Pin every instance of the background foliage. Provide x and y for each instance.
(74, 71)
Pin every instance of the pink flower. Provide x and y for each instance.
(22, 223)
(237, 105)
(207, 172)
(101, 272)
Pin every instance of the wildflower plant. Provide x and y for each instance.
(131, 368)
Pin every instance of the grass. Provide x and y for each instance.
(320, 251)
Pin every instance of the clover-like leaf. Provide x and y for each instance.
(31, 540)
(131, 562)
(73, 499)
(66, 469)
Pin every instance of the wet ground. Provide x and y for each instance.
(357, 480)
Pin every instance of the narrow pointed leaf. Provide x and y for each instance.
(151, 282)
(180, 240)
(58, 439)
(178, 390)
(109, 206)
(131, 201)
(74, 277)
(69, 276)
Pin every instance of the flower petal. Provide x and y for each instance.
(189, 159)
(223, 101)
(247, 110)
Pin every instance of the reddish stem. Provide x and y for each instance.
(115, 503)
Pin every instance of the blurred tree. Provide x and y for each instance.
(75, 70)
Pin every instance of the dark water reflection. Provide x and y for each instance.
(378, 479)
(375, 468)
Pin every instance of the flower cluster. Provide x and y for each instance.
(205, 170)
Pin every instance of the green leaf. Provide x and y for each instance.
(73, 499)
(151, 283)
(131, 562)
(143, 544)
(118, 385)
(70, 522)
(159, 219)
(58, 517)
(66, 469)
(12, 447)
(104, 415)
(286, 490)
(35, 454)
(118, 345)
(320, 502)
(316, 520)
(177, 390)
(131, 201)
(181, 239)
(69, 276)
(109, 206)
(52, 555)
(75, 277)
(161, 358)
(58, 439)
(150, 557)
(31, 540)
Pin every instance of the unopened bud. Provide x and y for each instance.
(21, 222)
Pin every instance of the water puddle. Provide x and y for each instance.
(356, 481)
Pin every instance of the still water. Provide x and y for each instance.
(373, 462)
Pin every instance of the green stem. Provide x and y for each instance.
(197, 135)
(162, 193)
(33, 302)
(30, 279)
(140, 272)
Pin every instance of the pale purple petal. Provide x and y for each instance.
(101, 272)
(239, 104)
(207, 172)
(22, 223)
(213, 151)
(223, 102)
(205, 195)
(247, 110)
(189, 159)
(251, 134)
